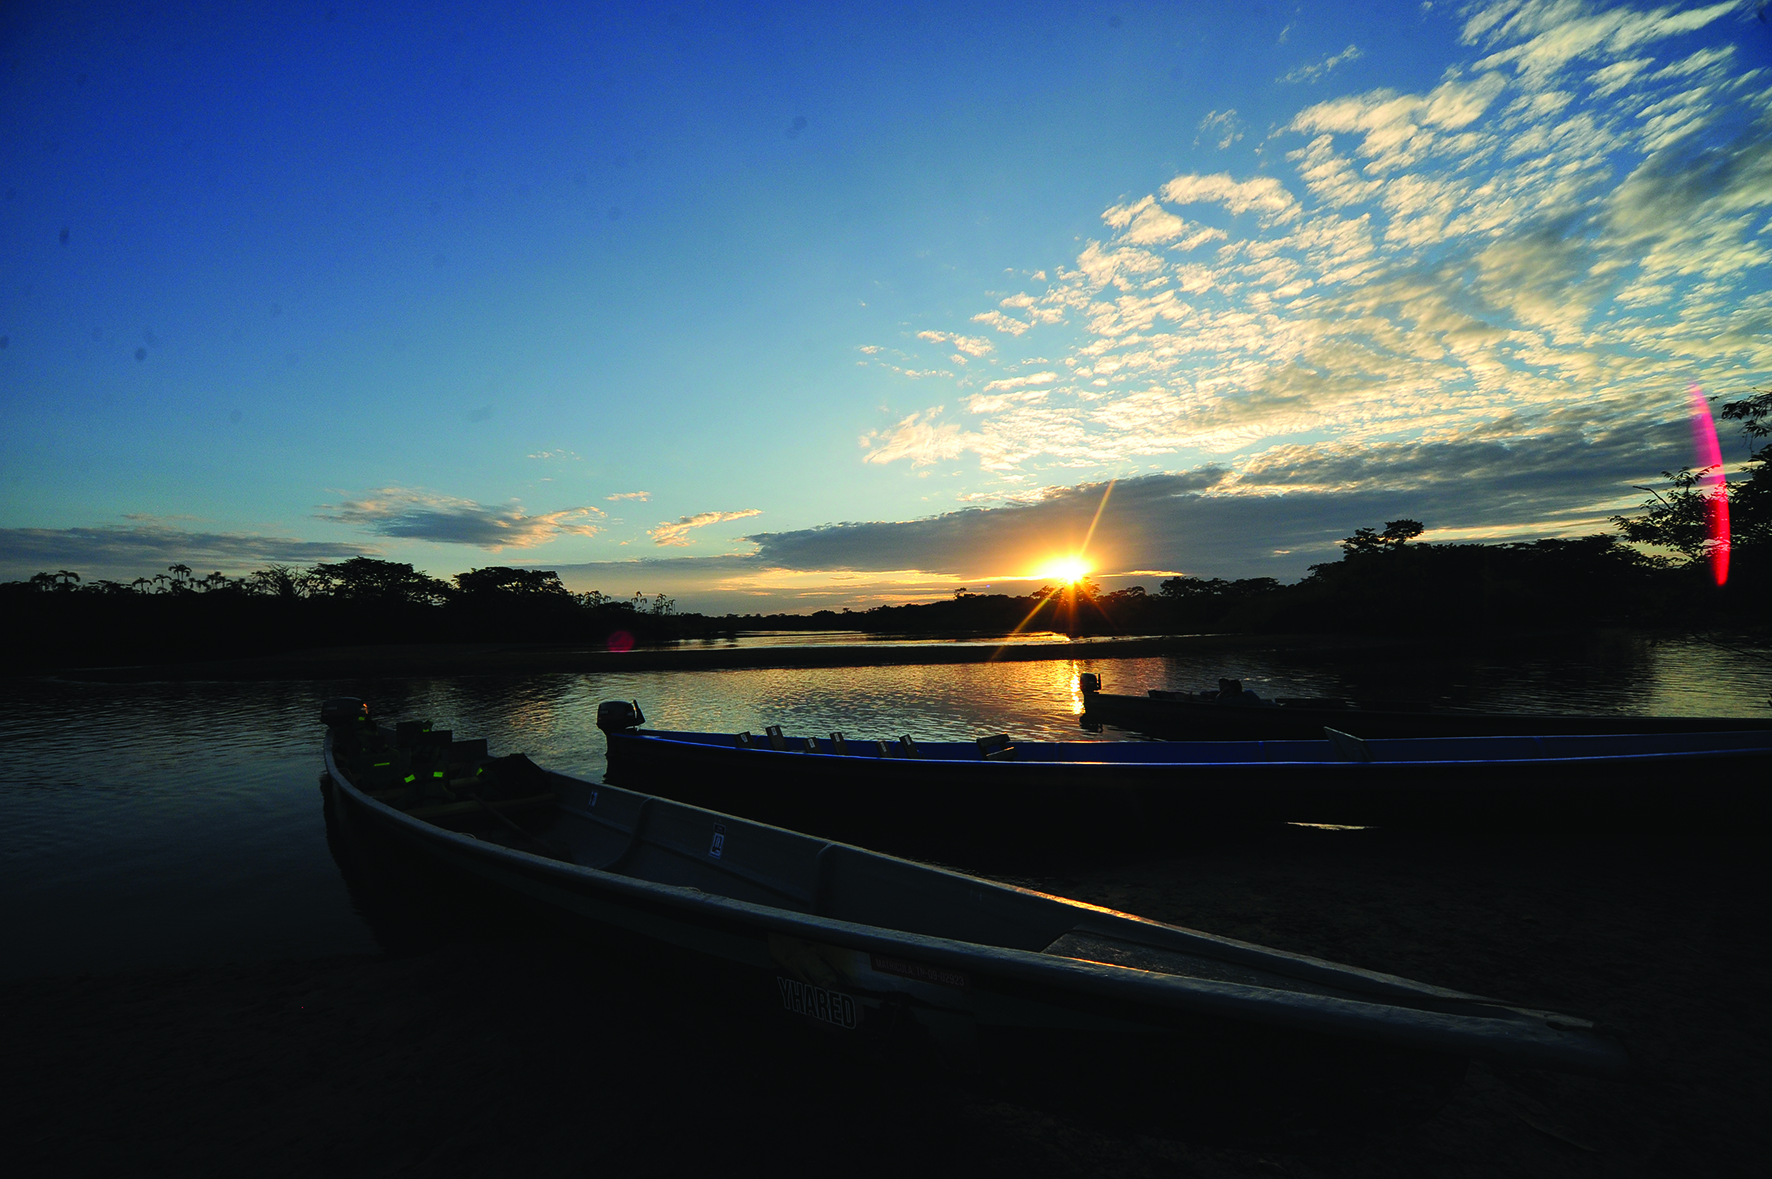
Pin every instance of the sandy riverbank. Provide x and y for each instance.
(553, 1054)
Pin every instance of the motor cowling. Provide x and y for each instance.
(1089, 682)
(619, 714)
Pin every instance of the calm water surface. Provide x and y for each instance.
(181, 824)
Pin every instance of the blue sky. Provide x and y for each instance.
(840, 304)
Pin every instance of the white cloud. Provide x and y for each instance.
(1146, 223)
(983, 403)
(1400, 130)
(1331, 177)
(1265, 195)
(921, 439)
(671, 532)
(1550, 34)
(973, 346)
(1706, 61)
(639, 495)
(1001, 322)
(1122, 268)
(915, 374)
(1514, 240)
(1021, 382)
(1618, 75)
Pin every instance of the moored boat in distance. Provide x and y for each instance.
(993, 802)
(1232, 713)
(899, 953)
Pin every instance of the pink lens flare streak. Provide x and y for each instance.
(1710, 478)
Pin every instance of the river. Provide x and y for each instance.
(175, 824)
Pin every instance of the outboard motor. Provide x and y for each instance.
(343, 710)
(619, 715)
(1089, 682)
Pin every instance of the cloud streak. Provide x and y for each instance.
(1220, 127)
(1310, 73)
(672, 533)
(969, 346)
(417, 514)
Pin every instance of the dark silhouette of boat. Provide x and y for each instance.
(1233, 714)
(992, 803)
(892, 952)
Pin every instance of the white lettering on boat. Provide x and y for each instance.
(833, 1007)
(719, 840)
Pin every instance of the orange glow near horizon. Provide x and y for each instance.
(1066, 569)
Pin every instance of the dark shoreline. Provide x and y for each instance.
(449, 659)
(422, 660)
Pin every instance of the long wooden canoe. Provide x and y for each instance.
(969, 804)
(894, 952)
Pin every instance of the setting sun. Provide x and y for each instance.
(1066, 569)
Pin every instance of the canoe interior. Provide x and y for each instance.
(650, 838)
(647, 838)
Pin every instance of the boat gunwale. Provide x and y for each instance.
(673, 738)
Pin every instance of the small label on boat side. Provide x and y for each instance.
(833, 1007)
(921, 972)
(719, 844)
(592, 801)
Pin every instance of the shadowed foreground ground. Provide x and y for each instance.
(545, 1051)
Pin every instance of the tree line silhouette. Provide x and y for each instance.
(177, 616)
